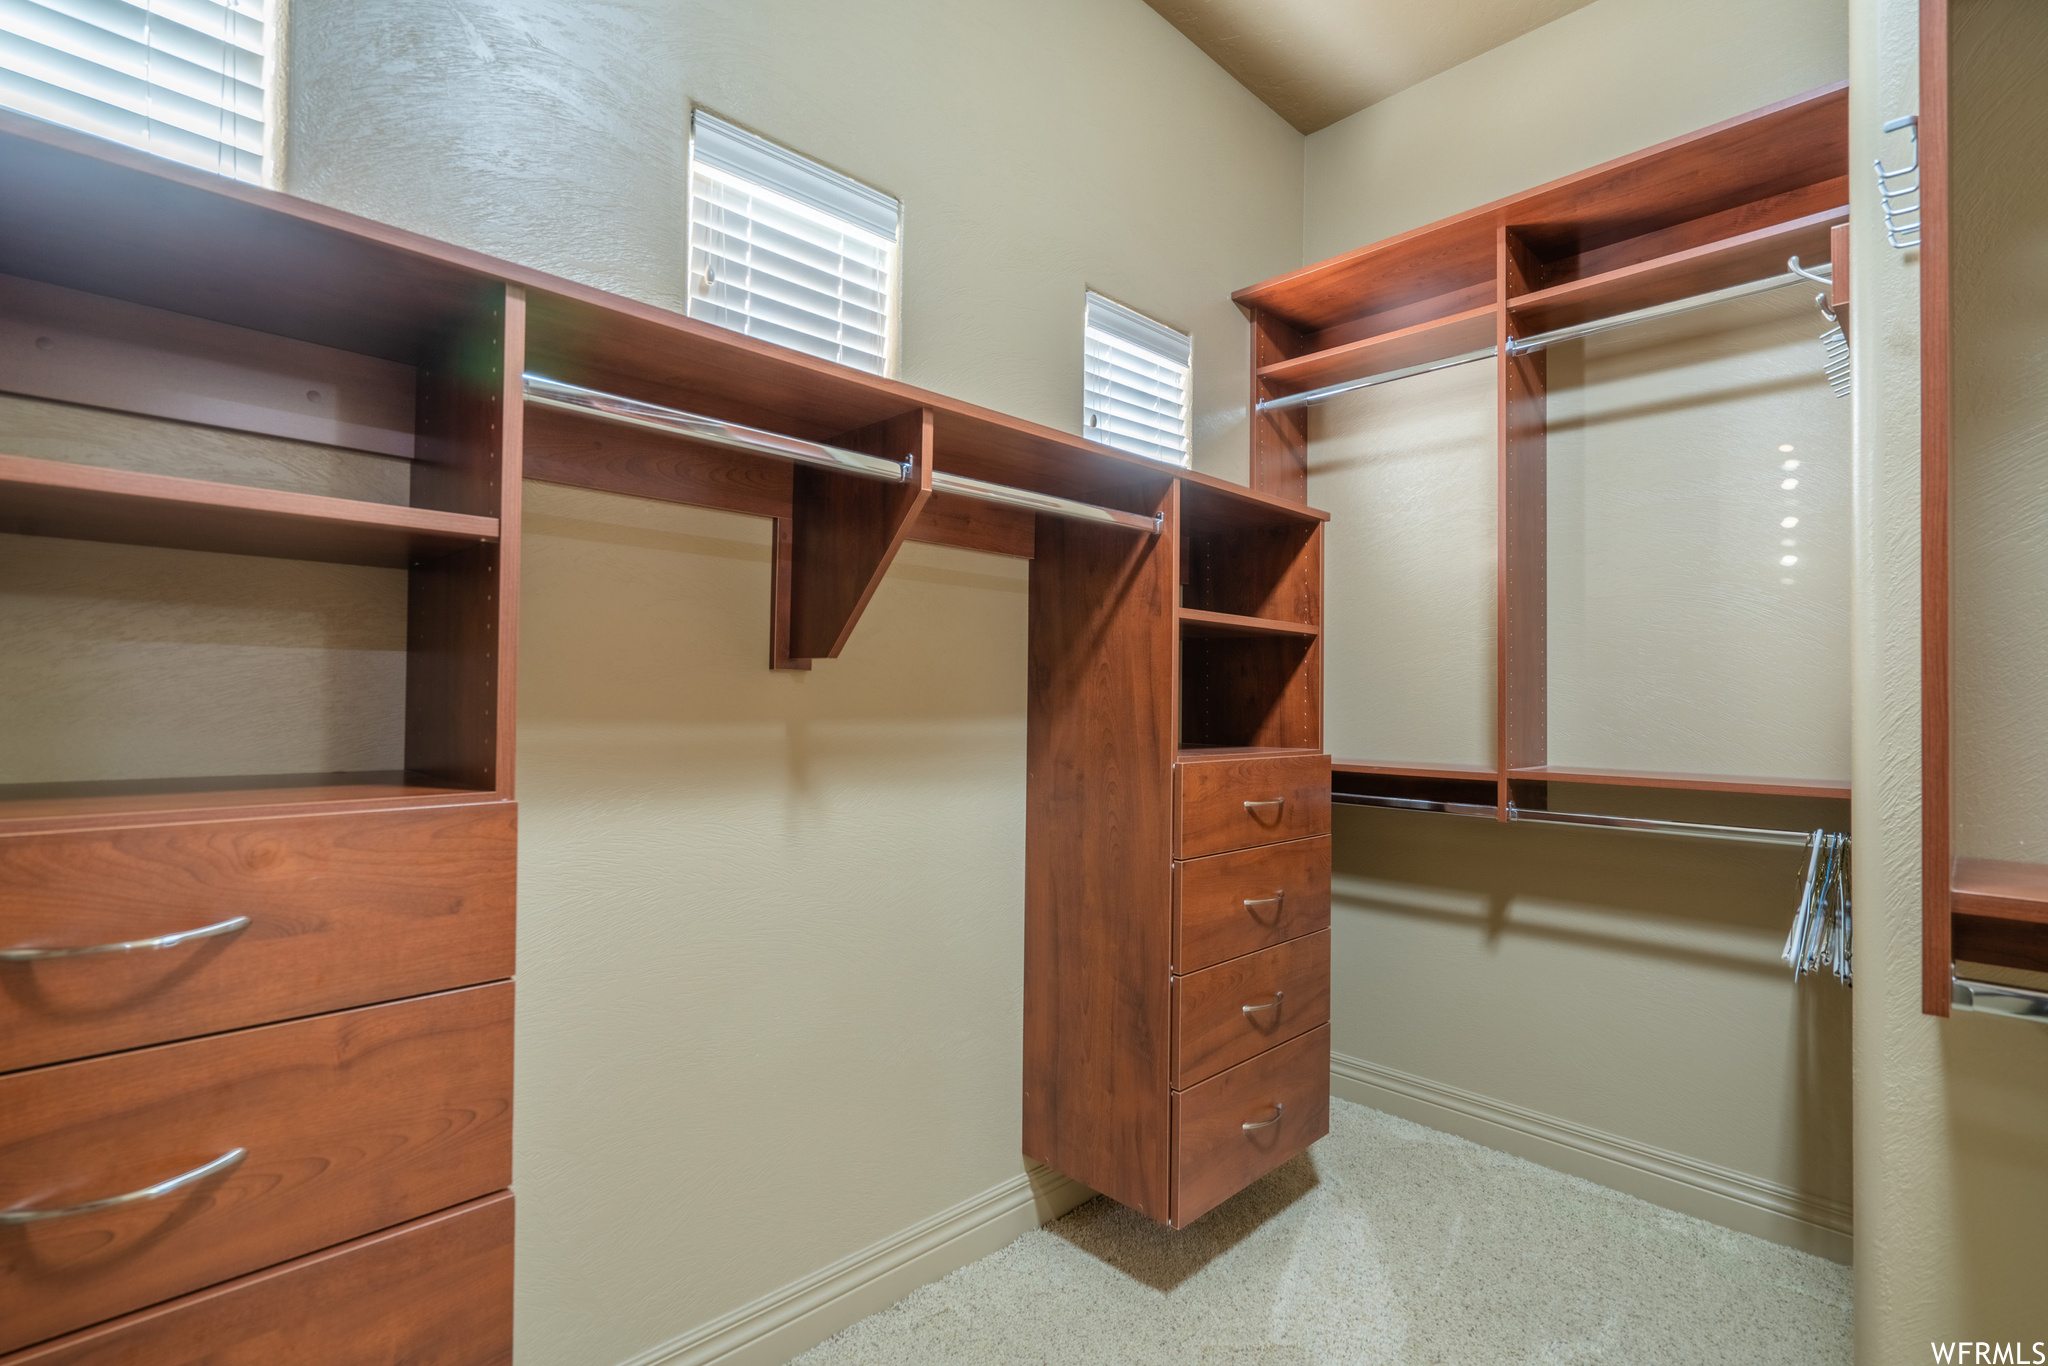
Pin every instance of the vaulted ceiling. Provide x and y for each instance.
(1315, 61)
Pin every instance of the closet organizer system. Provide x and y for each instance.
(256, 1030)
(1751, 205)
(1974, 909)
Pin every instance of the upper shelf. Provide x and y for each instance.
(2001, 890)
(1715, 265)
(27, 809)
(1419, 344)
(90, 503)
(91, 215)
(1690, 782)
(1779, 151)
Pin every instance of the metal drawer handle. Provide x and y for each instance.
(162, 941)
(1252, 806)
(1259, 903)
(1273, 1004)
(161, 1188)
(1278, 1110)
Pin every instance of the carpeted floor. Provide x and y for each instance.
(1385, 1243)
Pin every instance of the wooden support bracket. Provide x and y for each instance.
(841, 536)
(1279, 450)
(1521, 691)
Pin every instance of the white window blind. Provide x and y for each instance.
(1135, 382)
(182, 78)
(785, 250)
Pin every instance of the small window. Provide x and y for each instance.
(187, 79)
(1135, 382)
(790, 252)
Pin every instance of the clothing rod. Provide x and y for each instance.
(1996, 998)
(549, 393)
(1414, 804)
(1522, 346)
(1307, 396)
(1742, 833)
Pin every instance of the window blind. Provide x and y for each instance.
(182, 78)
(786, 250)
(1135, 382)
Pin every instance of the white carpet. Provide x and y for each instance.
(1385, 1243)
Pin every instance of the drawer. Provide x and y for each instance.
(1237, 1010)
(434, 1292)
(1215, 1156)
(1228, 905)
(1235, 803)
(351, 1122)
(343, 911)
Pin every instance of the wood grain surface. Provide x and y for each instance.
(1215, 1156)
(343, 910)
(1287, 986)
(1212, 922)
(353, 1122)
(1210, 795)
(433, 1292)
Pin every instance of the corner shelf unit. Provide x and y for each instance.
(1721, 207)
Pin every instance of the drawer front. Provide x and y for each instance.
(343, 911)
(1225, 804)
(1237, 1010)
(1215, 1156)
(1228, 905)
(351, 1122)
(434, 1292)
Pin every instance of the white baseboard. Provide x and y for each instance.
(787, 1322)
(1719, 1195)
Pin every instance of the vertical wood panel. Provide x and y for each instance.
(1279, 450)
(845, 533)
(1936, 814)
(1521, 577)
(1099, 857)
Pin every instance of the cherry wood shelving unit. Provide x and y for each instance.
(1974, 910)
(379, 906)
(1719, 207)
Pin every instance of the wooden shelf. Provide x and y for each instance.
(1798, 142)
(88, 503)
(34, 808)
(1735, 260)
(1461, 772)
(1197, 623)
(2001, 890)
(1690, 782)
(1420, 344)
(1196, 753)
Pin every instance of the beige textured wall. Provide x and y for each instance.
(1623, 985)
(771, 925)
(1951, 1159)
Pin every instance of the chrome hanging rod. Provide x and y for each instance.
(550, 393)
(1642, 824)
(1996, 998)
(1522, 346)
(1308, 396)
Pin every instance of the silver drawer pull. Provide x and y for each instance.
(162, 941)
(1273, 1004)
(160, 1189)
(1278, 1110)
(1261, 902)
(1253, 806)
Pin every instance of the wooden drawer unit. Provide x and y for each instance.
(1237, 802)
(349, 1123)
(1240, 1124)
(434, 1292)
(341, 911)
(1228, 905)
(1237, 1010)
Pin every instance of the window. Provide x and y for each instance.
(187, 79)
(787, 251)
(1134, 382)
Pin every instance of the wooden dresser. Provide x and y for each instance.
(1177, 948)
